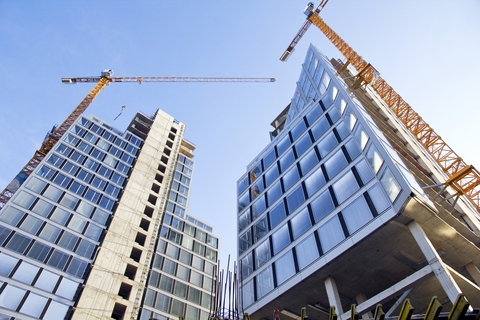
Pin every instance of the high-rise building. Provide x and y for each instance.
(344, 206)
(101, 228)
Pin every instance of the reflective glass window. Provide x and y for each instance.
(269, 159)
(47, 280)
(166, 283)
(283, 144)
(85, 209)
(162, 302)
(7, 264)
(277, 214)
(31, 224)
(378, 198)
(390, 184)
(33, 305)
(334, 114)
(307, 251)
(244, 220)
(342, 130)
(52, 193)
(196, 278)
(357, 214)
(274, 193)
(38, 251)
(49, 233)
(295, 199)
(248, 293)
(245, 241)
(315, 181)
(280, 239)
(314, 114)
(300, 223)
(331, 233)
(309, 161)
(11, 215)
(303, 144)
(69, 201)
(264, 282)
(11, 297)
(271, 174)
(55, 311)
(85, 248)
(60, 216)
(327, 144)
(24, 199)
(243, 201)
(255, 172)
(298, 130)
(77, 267)
(36, 185)
(260, 229)
(374, 158)
(58, 259)
(42, 208)
(247, 265)
(262, 253)
(345, 187)
(257, 188)
(258, 207)
(67, 288)
(284, 267)
(286, 160)
(352, 149)
(361, 136)
(364, 171)
(18, 243)
(290, 177)
(335, 163)
(182, 272)
(322, 205)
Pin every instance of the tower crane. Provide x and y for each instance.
(463, 178)
(101, 81)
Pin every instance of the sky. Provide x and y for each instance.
(428, 51)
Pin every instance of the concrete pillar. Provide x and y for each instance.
(360, 299)
(474, 272)
(333, 296)
(435, 261)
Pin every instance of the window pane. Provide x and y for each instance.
(314, 182)
(322, 206)
(374, 158)
(300, 223)
(264, 282)
(378, 198)
(38, 251)
(284, 267)
(260, 229)
(331, 233)
(47, 281)
(31, 224)
(277, 214)
(55, 311)
(24, 199)
(7, 264)
(283, 144)
(259, 206)
(327, 144)
(274, 193)
(262, 253)
(11, 215)
(248, 293)
(11, 297)
(320, 128)
(42, 208)
(306, 251)
(298, 130)
(290, 177)
(25, 273)
(295, 199)
(286, 160)
(49, 233)
(364, 171)
(345, 187)
(335, 163)
(357, 214)
(390, 184)
(303, 144)
(280, 239)
(271, 174)
(67, 288)
(34, 305)
(309, 161)
(269, 159)
(18, 243)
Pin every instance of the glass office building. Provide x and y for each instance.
(327, 211)
(79, 237)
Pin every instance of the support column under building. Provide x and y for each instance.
(333, 296)
(360, 299)
(435, 261)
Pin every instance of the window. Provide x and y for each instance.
(320, 128)
(262, 253)
(11, 215)
(260, 229)
(47, 280)
(303, 144)
(69, 201)
(309, 161)
(364, 171)
(245, 241)
(290, 178)
(378, 198)
(242, 184)
(280, 239)
(277, 214)
(321, 206)
(300, 223)
(67, 288)
(345, 187)
(286, 160)
(18, 243)
(298, 130)
(390, 184)
(49, 233)
(307, 251)
(295, 199)
(361, 136)
(243, 201)
(77, 224)
(356, 215)
(269, 159)
(247, 265)
(258, 207)
(58, 259)
(11, 297)
(24, 199)
(314, 113)
(284, 267)
(265, 282)
(31, 224)
(283, 144)
(271, 174)
(374, 158)
(327, 144)
(38, 251)
(331, 233)
(335, 163)
(7, 264)
(248, 293)
(314, 182)
(60, 216)
(274, 193)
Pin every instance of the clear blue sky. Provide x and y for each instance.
(426, 50)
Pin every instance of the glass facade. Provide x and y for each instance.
(52, 226)
(181, 280)
(323, 178)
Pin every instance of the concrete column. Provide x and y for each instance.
(435, 261)
(360, 299)
(333, 296)
(474, 272)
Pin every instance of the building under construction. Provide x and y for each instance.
(355, 201)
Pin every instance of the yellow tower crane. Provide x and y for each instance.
(101, 81)
(463, 178)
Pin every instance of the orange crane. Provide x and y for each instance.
(463, 178)
(101, 81)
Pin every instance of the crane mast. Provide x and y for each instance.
(465, 179)
(101, 81)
